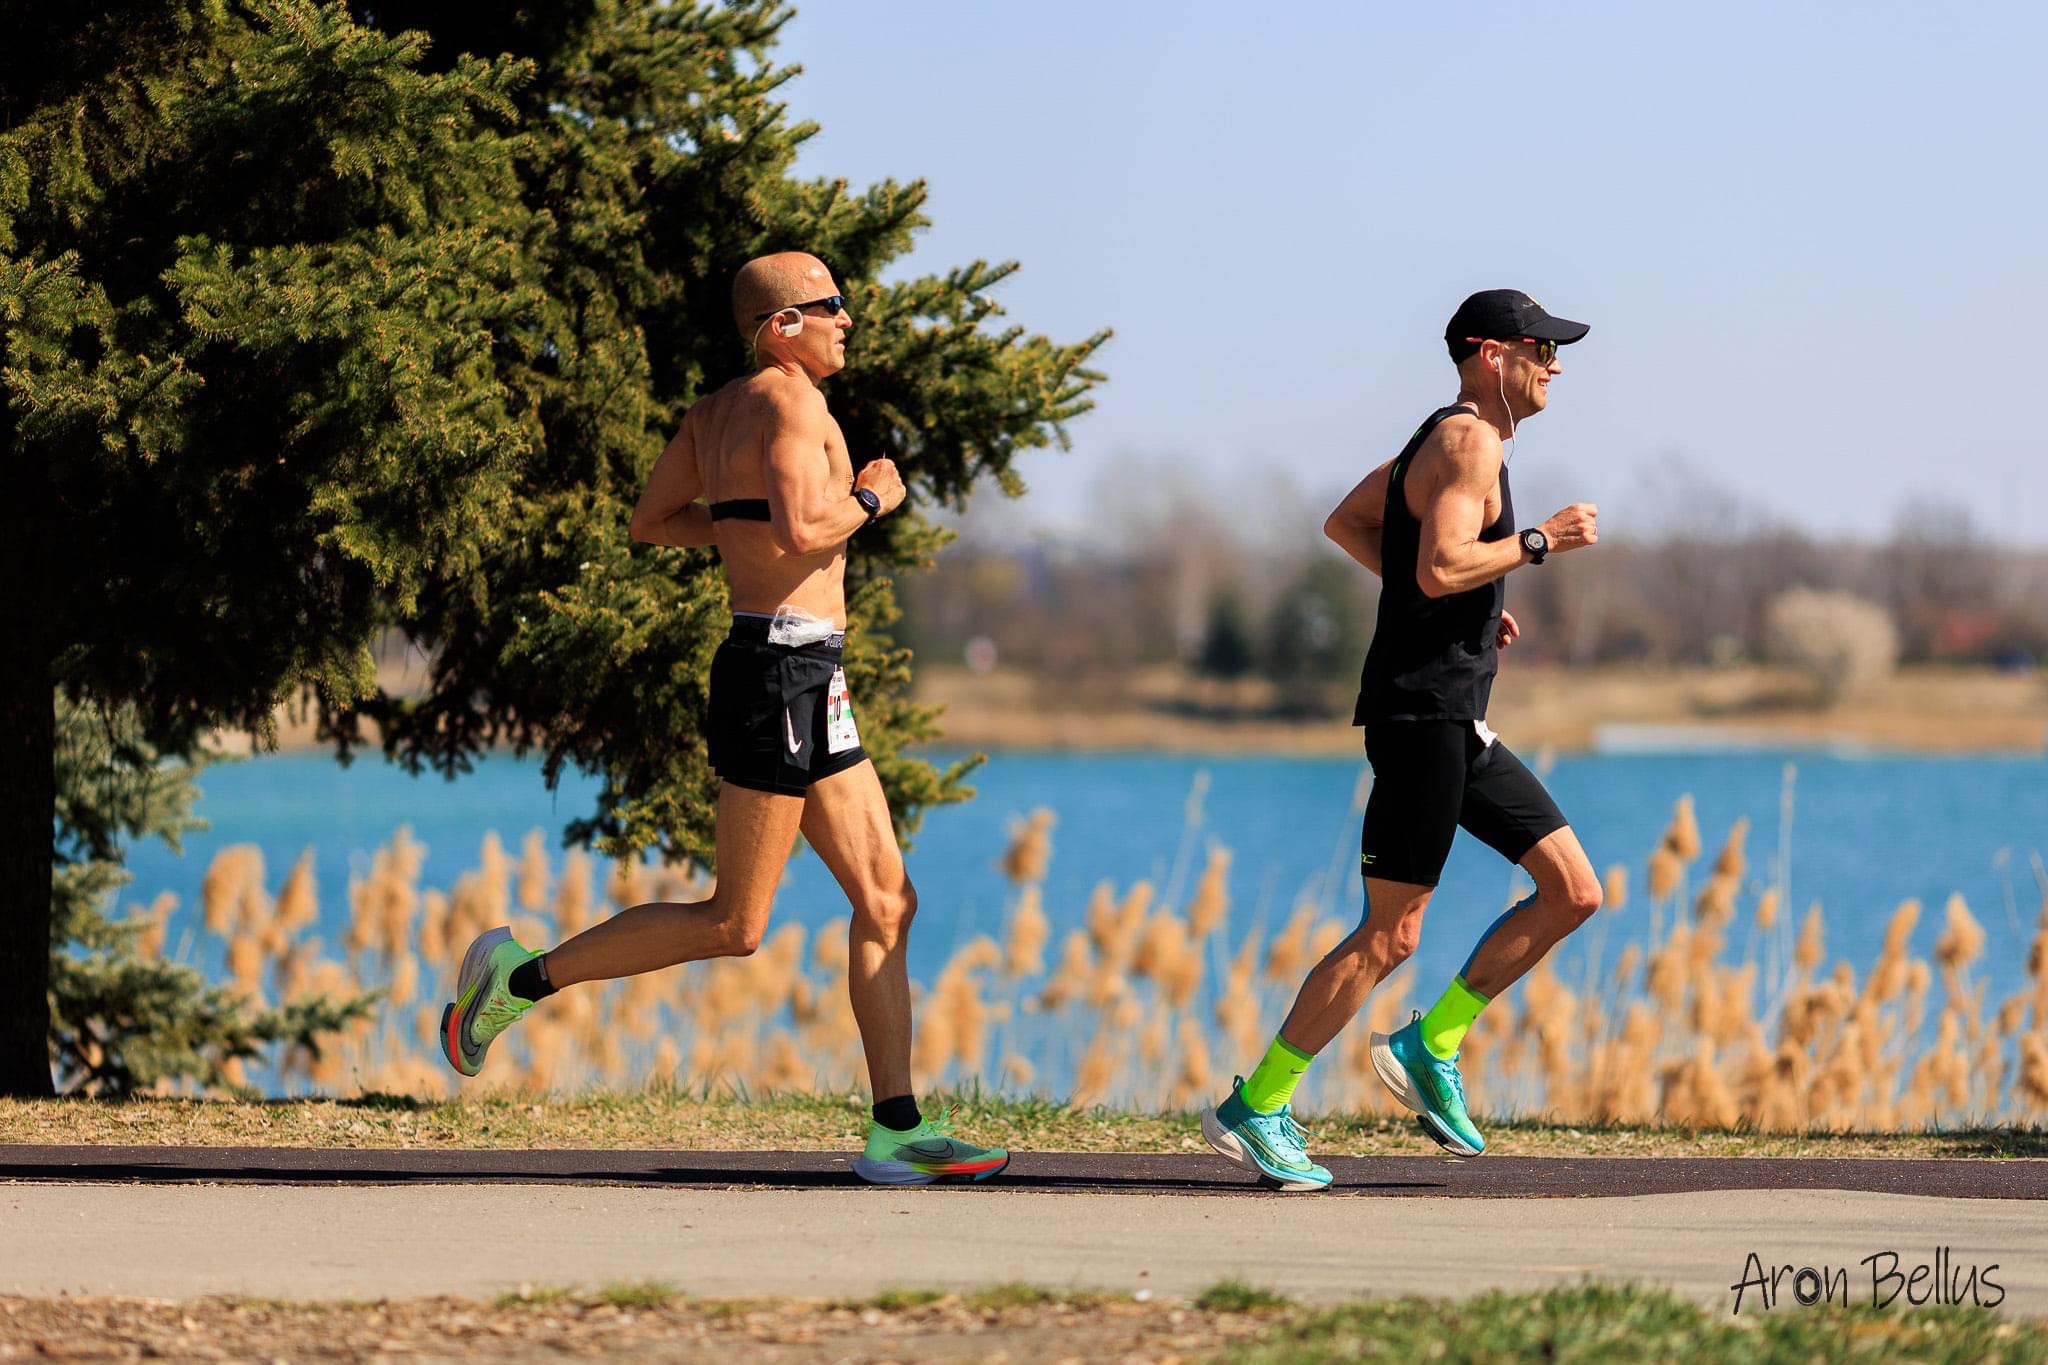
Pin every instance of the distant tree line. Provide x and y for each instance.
(1192, 594)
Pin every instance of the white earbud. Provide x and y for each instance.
(782, 328)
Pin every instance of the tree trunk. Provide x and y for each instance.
(28, 777)
(28, 794)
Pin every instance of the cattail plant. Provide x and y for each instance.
(1689, 1024)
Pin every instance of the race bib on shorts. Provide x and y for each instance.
(841, 733)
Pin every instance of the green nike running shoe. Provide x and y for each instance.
(1428, 1084)
(927, 1154)
(484, 1005)
(1271, 1146)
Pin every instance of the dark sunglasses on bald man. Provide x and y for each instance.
(1546, 351)
(833, 304)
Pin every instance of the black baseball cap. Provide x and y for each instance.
(1507, 314)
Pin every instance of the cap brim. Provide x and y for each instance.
(1563, 331)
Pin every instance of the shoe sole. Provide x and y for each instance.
(1225, 1144)
(474, 963)
(1396, 1078)
(903, 1173)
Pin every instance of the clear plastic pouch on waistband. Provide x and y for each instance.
(795, 626)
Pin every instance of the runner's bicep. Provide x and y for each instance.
(1453, 520)
(1455, 513)
(797, 471)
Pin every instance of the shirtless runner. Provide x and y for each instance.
(779, 499)
(1437, 523)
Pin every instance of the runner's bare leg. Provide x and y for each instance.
(756, 831)
(1338, 986)
(1567, 893)
(846, 819)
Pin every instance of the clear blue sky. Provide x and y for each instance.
(1808, 237)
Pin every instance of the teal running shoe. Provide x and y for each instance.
(928, 1154)
(1271, 1146)
(1429, 1085)
(484, 1005)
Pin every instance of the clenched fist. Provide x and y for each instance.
(881, 477)
(1575, 526)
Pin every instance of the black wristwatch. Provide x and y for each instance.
(1536, 543)
(867, 498)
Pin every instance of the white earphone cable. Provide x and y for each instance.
(1500, 372)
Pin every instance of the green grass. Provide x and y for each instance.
(995, 1298)
(998, 1297)
(642, 1296)
(1235, 1296)
(648, 1295)
(1612, 1323)
(672, 1119)
(894, 1300)
(536, 1296)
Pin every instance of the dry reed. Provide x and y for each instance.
(1145, 997)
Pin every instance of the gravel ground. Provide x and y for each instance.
(547, 1328)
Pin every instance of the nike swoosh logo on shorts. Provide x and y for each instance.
(790, 729)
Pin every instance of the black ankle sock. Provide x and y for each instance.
(898, 1115)
(529, 980)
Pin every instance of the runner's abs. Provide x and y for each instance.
(760, 576)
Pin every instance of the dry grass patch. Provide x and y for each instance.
(667, 1120)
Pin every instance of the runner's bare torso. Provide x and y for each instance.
(768, 436)
(734, 432)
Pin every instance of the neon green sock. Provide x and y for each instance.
(1444, 1027)
(1271, 1084)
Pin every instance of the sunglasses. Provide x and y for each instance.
(1546, 351)
(833, 304)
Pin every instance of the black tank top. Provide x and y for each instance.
(1432, 658)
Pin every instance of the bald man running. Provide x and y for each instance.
(766, 456)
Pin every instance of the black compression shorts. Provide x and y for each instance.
(1431, 776)
(771, 728)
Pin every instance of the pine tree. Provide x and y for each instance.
(318, 325)
(121, 1018)
(655, 149)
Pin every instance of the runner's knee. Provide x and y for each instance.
(743, 936)
(1405, 938)
(1579, 893)
(888, 913)
(1397, 936)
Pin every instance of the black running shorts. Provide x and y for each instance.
(771, 729)
(1431, 776)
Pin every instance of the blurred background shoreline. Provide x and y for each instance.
(1609, 709)
(1935, 708)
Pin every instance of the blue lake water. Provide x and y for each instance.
(1867, 832)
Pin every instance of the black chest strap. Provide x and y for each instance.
(740, 509)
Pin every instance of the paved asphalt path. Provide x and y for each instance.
(364, 1224)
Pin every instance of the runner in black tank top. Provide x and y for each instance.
(1432, 658)
(1422, 699)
